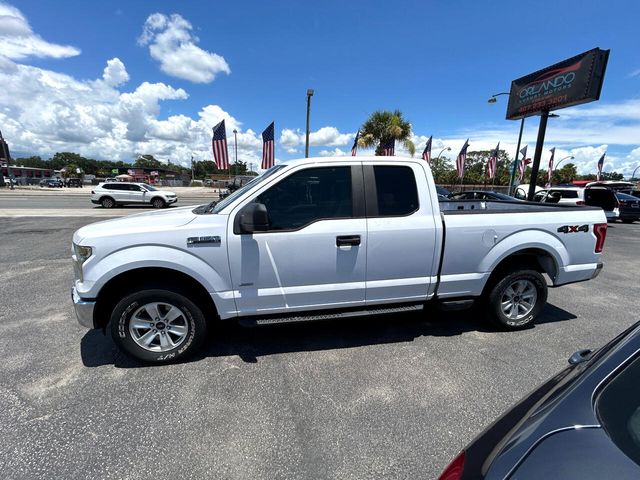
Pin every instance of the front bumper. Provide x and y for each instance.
(172, 200)
(84, 309)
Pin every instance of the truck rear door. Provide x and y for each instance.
(402, 235)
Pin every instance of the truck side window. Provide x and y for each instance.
(397, 191)
(308, 196)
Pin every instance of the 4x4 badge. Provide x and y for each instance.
(573, 229)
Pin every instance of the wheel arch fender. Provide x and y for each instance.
(548, 249)
(159, 262)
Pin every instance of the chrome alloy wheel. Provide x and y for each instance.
(518, 299)
(158, 326)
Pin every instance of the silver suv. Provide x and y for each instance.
(111, 194)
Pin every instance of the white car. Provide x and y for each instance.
(595, 196)
(325, 238)
(113, 194)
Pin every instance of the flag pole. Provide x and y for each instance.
(515, 163)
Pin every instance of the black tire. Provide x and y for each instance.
(191, 318)
(627, 220)
(522, 317)
(107, 202)
(158, 203)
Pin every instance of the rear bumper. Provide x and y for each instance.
(578, 273)
(84, 309)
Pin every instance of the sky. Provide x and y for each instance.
(115, 79)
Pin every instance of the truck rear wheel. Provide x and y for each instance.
(515, 301)
(157, 326)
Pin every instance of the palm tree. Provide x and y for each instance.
(383, 126)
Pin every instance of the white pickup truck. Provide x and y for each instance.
(324, 238)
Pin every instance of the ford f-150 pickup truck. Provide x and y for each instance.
(324, 238)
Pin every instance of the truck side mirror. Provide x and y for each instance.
(254, 218)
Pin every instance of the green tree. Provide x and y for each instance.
(203, 168)
(71, 171)
(239, 168)
(566, 174)
(147, 161)
(382, 127)
(35, 162)
(62, 159)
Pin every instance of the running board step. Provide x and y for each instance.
(328, 315)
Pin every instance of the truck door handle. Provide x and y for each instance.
(347, 240)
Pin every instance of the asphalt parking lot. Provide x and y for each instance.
(390, 397)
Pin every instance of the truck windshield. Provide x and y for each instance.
(252, 184)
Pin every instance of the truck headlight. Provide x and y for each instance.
(82, 253)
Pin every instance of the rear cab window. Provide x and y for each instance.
(396, 192)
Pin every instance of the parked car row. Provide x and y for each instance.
(618, 201)
(56, 182)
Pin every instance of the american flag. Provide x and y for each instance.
(354, 149)
(600, 165)
(389, 147)
(523, 151)
(219, 146)
(523, 167)
(493, 161)
(550, 173)
(268, 147)
(426, 155)
(461, 159)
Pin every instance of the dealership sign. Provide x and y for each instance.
(571, 82)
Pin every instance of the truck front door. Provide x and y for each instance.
(313, 255)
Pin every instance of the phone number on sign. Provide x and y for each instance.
(544, 104)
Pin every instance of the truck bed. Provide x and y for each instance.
(452, 207)
(473, 245)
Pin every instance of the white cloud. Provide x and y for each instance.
(173, 45)
(290, 138)
(323, 137)
(329, 136)
(115, 73)
(336, 152)
(19, 41)
(635, 73)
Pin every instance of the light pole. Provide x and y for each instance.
(493, 99)
(633, 175)
(235, 141)
(306, 144)
(556, 166)
(448, 149)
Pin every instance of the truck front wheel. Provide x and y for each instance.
(515, 301)
(157, 326)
